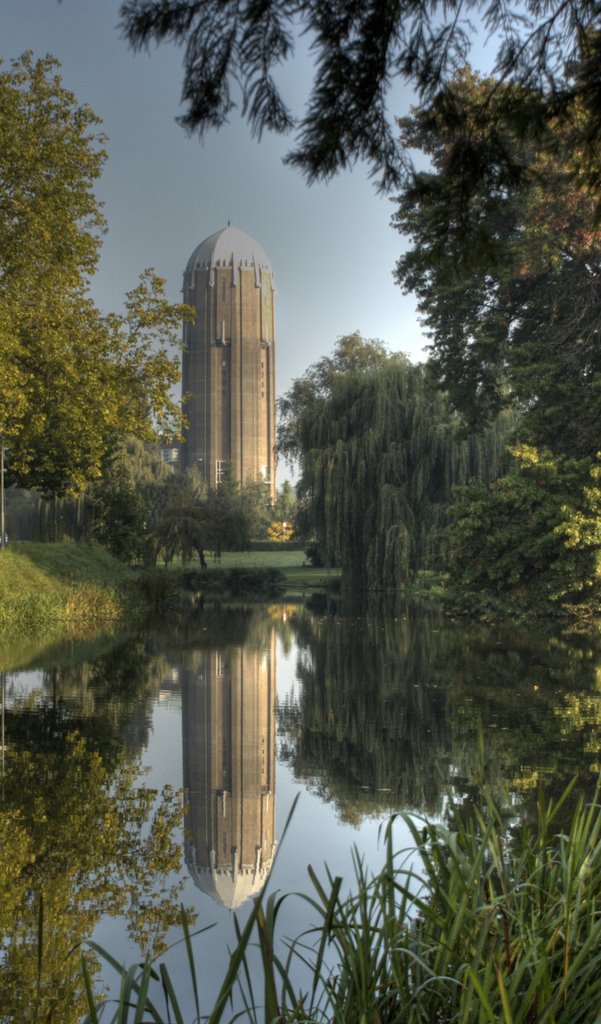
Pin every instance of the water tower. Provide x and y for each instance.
(228, 365)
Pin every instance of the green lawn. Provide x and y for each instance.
(300, 576)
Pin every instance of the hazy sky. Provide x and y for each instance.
(331, 246)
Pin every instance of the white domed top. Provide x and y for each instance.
(228, 247)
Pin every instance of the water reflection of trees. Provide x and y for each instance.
(107, 699)
(390, 709)
(80, 835)
(80, 838)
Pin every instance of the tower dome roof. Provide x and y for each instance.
(228, 247)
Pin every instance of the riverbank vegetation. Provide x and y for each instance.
(59, 585)
(380, 453)
(483, 464)
(493, 921)
(75, 587)
(480, 466)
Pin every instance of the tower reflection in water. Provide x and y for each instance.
(228, 722)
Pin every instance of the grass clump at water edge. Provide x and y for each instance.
(496, 927)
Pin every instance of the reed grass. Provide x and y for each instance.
(498, 925)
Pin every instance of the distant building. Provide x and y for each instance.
(228, 365)
(169, 453)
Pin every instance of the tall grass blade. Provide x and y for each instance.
(141, 990)
(170, 996)
(190, 954)
(130, 986)
(40, 954)
(272, 1008)
(92, 1016)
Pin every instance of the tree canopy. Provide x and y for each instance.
(533, 537)
(352, 355)
(508, 287)
(73, 381)
(80, 839)
(234, 48)
(380, 452)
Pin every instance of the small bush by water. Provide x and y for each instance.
(258, 582)
(496, 927)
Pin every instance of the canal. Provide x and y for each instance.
(142, 773)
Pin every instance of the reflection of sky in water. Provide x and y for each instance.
(315, 836)
(388, 705)
(23, 685)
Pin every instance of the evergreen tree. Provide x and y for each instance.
(232, 47)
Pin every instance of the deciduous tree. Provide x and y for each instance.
(532, 540)
(508, 286)
(73, 382)
(380, 453)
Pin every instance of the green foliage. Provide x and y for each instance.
(508, 288)
(313, 555)
(254, 501)
(487, 929)
(490, 927)
(73, 381)
(223, 519)
(358, 51)
(381, 453)
(285, 503)
(119, 516)
(66, 861)
(264, 583)
(353, 356)
(134, 502)
(389, 709)
(531, 540)
(53, 585)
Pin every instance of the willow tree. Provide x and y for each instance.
(380, 453)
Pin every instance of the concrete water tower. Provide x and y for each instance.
(228, 365)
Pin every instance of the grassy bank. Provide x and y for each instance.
(53, 587)
(45, 586)
(300, 578)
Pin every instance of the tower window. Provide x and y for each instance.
(221, 470)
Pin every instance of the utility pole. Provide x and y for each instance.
(2, 519)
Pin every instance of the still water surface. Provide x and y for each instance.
(231, 715)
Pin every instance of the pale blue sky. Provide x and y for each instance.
(331, 247)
